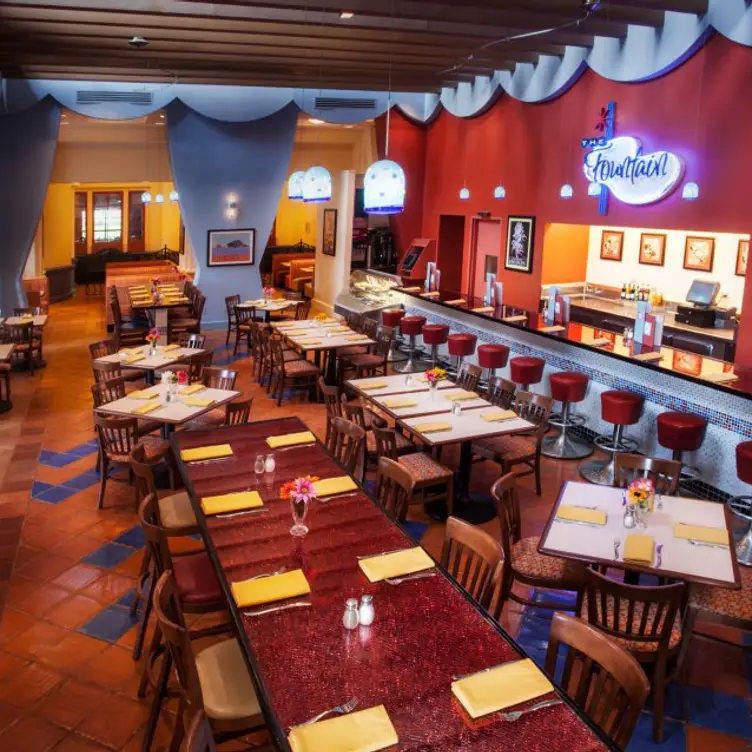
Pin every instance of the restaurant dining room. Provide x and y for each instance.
(375, 378)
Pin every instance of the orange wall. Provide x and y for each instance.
(565, 253)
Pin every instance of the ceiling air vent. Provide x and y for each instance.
(91, 97)
(344, 103)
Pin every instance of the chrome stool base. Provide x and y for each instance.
(741, 508)
(602, 472)
(563, 446)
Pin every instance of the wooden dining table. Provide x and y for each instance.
(150, 364)
(304, 661)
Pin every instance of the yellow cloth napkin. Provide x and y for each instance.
(457, 301)
(498, 415)
(137, 287)
(721, 378)
(331, 486)
(147, 408)
(199, 402)
(286, 324)
(306, 341)
(231, 502)
(178, 299)
(277, 587)
(701, 533)
(600, 342)
(169, 348)
(580, 514)
(484, 309)
(134, 358)
(639, 549)
(432, 294)
(375, 385)
(648, 356)
(206, 453)
(500, 688)
(27, 316)
(399, 403)
(551, 329)
(356, 337)
(145, 394)
(513, 319)
(290, 439)
(339, 329)
(192, 389)
(432, 427)
(416, 288)
(397, 564)
(364, 731)
(132, 351)
(461, 396)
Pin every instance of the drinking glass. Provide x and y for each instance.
(258, 467)
(299, 513)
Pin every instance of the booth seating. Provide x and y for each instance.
(526, 371)
(301, 275)
(461, 346)
(567, 387)
(286, 266)
(411, 327)
(492, 357)
(621, 409)
(435, 335)
(741, 506)
(681, 432)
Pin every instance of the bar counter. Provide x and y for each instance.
(677, 380)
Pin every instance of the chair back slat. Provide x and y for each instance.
(116, 435)
(106, 371)
(394, 488)
(501, 392)
(143, 472)
(219, 378)
(238, 413)
(504, 492)
(346, 443)
(469, 376)
(534, 408)
(101, 349)
(303, 310)
(108, 390)
(192, 341)
(386, 442)
(331, 396)
(664, 473)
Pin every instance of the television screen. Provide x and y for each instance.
(703, 293)
(411, 257)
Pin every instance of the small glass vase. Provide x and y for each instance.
(299, 513)
(629, 520)
(152, 349)
(432, 389)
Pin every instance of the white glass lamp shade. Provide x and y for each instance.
(384, 188)
(691, 192)
(295, 186)
(159, 199)
(566, 191)
(594, 189)
(500, 192)
(317, 185)
(174, 197)
(464, 194)
(146, 197)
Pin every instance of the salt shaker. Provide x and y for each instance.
(351, 618)
(366, 613)
(270, 463)
(456, 408)
(408, 380)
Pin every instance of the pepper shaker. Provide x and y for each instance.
(366, 613)
(351, 618)
(456, 409)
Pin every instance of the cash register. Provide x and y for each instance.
(700, 309)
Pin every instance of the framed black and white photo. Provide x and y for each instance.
(520, 237)
(329, 239)
(231, 247)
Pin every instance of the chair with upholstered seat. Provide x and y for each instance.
(646, 621)
(368, 420)
(232, 322)
(192, 341)
(125, 334)
(394, 488)
(244, 320)
(113, 389)
(190, 325)
(27, 347)
(509, 451)
(522, 563)
(345, 442)
(299, 373)
(469, 376)
(501, 392)
(332, 402)
(599, 676)
(235, 413)
(370, 363)
(101, 350)
(664, 473)
(471, 556)
(219, 378)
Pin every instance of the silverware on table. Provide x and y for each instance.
(659, 555)
(409, 577)
(344, 709)
(459, 677)
(577, 522)
(383, 553)
(515, 715)
(193, 463)
(327, 499)
(266, 574)
(263, 611)
(707, 545)
(239, 514)
(297, 446)
(617, 543)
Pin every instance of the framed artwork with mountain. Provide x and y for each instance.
(231, 248)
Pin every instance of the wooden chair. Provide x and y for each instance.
(471, 556)
(600, 677)
(501, 392)
(432, 481)
(200, 737)
(368, 420)
(191, 325)
(266, 337)
(231, 714)
(510, 451)
(346, 442)
(195, 366)
(295, 373)
(232, 321)
(370, 363)
(332, 402)
(123, 334)
(5, 369)
(244, 321)
(303, 310)
(238, 412)
(102, 349)
(394, 488)
(27, 347)
(219, 378)
(192, 341)
(646, 622)
(664, 473)
(522, 563)
(354, 321)
(469, 377)
(105, 371)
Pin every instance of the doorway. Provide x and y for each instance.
(485, 250)
(451, 250)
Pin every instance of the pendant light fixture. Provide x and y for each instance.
(174, 197)
(295, 186)
(317, 180)
(146, 197)
(159, 199)
(500, 192)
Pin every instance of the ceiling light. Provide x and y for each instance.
(464, 193)
(315, 121)
(146, 197)
(346, 15)
(500, 192)
(384, 188)
(317, 185)
(159, 199)
(174, 197)
(295, 186)
(161, 115)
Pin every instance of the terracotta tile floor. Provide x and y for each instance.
(67, 573)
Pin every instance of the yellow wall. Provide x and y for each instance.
(162, 221)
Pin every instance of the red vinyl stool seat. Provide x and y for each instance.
(681, 432)
(741, 506)
(621, 409)
(744, 461)
(435, 335)
(492, 357)
(525, 370)
(460, 346)
(411, 326)
(392, 317)
(567, 387)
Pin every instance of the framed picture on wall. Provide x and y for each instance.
(688, 363)
(612, 245)
(520, 238)
(742, 252)
(231, 248)
(329, 233)
(698, 253)
(652, 249)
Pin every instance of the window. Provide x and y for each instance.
(80, 218)
(108, 220)
(136, 222)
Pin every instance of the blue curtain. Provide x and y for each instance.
(27, 149)
(211, 159)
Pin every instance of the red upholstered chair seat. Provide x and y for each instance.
(493, 356)
(424, 468)
(568, 386)
(195, 579)
(681, 431)
(621, 408)
(529, 563)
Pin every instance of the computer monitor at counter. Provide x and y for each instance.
(702, 293)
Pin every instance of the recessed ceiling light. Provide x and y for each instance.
(346, 15)
(315, 121)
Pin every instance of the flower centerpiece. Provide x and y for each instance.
(170, 378)
(153, 339)
(638, 500)
(182, 378)
(300, 492)
(433, 376)
(155, 282)
(320, 317)
(268, 293)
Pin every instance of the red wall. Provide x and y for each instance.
(699, 111)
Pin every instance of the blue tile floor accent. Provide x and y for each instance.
(56, 494)
(416, 530)
(134, 538)
(674, 736)
(719, 711)
(84, 450)
(83, 481)
(111, 624)
(53, 494)
(56, 459)
(109, 555)
(37, 488)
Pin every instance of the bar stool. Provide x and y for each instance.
(392, 317)
(621, 409)
(435, 335)
(492, 357)
(460, 346)
(681, 432)
(526, 370)
(567, 387)
(741, 506)
(411, 326)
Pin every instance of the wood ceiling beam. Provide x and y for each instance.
(698, 7)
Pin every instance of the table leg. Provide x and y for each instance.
(167, 429)
(331, 368)
(160, 319)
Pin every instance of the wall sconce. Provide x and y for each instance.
(500, 192)
(231, 206)
(566, 191)
(691, 192)
(146, 197)
(174, 197)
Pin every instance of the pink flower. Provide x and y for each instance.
(304, 489)
(182, 377)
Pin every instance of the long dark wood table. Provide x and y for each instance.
(304, 661)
